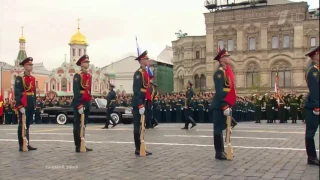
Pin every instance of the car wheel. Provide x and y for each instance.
(115, 117)
(62, 119)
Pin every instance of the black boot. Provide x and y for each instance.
(76, 137)
(218, 143)
(186, 125)
(113, 123)
(311, 152)
(137, 142)
(20, 140)
(27, 136)
(192, 122)
(155, 123)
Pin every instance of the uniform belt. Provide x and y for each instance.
(258, 105)
(178, 104)
(112, 100)
(82, 91)
(269, 104)
(226, 89)
(143, 90)
(293, 103)
(200, 104)
(30, 93)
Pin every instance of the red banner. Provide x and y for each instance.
(231, 96)
(1, 104)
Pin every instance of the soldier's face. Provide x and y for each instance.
(315, 58)
(225, 60)
(144, 62)
(28, 67)
(85, 65)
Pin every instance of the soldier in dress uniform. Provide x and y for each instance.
(39, 106)
(188, 107)
(81, 98)
(312, 106)
(7, 111)
(179, 107)
(140, 88)
(111, 100)
(221, 106)
(293, 108)
(154, 97)
(25, 97)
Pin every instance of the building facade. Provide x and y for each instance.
(10, 72)
(262, 41)
(60, 81)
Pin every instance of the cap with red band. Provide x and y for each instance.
(28, 60)
(84, 58)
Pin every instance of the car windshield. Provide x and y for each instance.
(102, 102)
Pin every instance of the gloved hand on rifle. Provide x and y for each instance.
(316, 111)
(80, 110)
(227, 112)
(22, 110)
(141, 111)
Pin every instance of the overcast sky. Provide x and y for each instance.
(109, 26)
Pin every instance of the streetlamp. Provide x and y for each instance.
(1, 66)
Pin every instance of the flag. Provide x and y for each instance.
(149, 71)
(1, 104)
(276, 89)
(138, 47)
(11, 95)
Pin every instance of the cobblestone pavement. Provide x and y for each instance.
(262, 151)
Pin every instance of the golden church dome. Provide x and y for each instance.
(22, 39)
(78, 38)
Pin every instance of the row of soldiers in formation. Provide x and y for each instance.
(170, 107)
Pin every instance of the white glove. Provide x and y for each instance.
(272, 107)
(141, 111)
(316, 113)
(227, 112)
(22, 110)
(288, 108)
(80, 110)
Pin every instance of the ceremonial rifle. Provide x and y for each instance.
(83, 141)
(228, 138)
(24, 139)
(82, 129)
(143, 152)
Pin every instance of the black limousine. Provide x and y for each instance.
(63, 115)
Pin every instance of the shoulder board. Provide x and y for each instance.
(140, 70)
(21, 74)
(79, 72)
(221, 68)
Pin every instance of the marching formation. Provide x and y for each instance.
(150, 108)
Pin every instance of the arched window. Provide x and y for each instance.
(286, 41)
(202, 82)
(313, 42)
(284, 76)
(275, 42)
(64, 84)
(273, 76)
(253, 77)
(220, 44)
(252, 44)
(196, 81)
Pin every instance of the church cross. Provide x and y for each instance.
(78, 23)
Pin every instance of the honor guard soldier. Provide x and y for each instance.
(312, 106)
(38, 111)
(81, 98)
(25, 97)
(223, 100)
(111, 105)
(140, 89)
(188, 107)
(154, 97)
